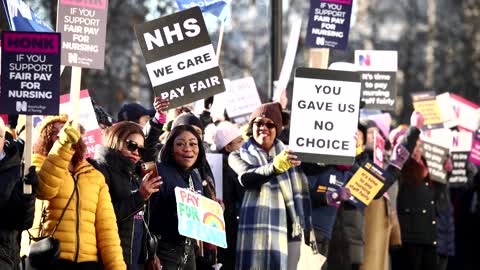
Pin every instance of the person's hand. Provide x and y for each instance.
(219, 201)
(417, 120)
(69, 134)
(284, 161)
(161, 105)
(31, 178)
(334, 198)
(149, 185)
(399, 156)
(448, 166)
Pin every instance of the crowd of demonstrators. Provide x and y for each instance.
(105, 210)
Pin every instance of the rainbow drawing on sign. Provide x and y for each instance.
(212, 220)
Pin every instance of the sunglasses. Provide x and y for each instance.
(268, 125)
(132, 146)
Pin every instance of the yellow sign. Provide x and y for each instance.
(430, 111)
(363, 185)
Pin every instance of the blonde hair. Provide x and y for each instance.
(3, 129)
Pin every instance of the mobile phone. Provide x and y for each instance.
(147, 167)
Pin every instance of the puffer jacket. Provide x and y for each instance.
(88, 228)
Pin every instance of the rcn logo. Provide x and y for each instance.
(320, 41)
(364, 60)
(21, 106)
(72, 58)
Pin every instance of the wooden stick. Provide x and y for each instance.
(27, 151)
(220, 40)
(319, 58)
(288, 61)
(75, 94)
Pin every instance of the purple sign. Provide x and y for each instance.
(329, 23)
(83, 24)
(30, 73)
(475, 153)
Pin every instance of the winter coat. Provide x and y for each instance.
(416, 208)
(17, 209)
(445, 221)
(120, 176)
(323, 216)
(163, 207)
(88, 228)
(232, 198)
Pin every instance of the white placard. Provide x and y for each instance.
(216, 164)
(242, 97)
(324, 120)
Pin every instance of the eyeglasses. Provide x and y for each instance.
(132, 146)
(268, 125)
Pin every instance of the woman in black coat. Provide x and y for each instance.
(117, 160)
(181, 156)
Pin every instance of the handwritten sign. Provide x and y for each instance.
(241, 99)
(365, 184)
(200, 218)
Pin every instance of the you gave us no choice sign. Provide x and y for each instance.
(324, 120)
(180, 59)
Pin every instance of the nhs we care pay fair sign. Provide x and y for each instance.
(324, 120)
(180, 58)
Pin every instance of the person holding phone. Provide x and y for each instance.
(119, 161)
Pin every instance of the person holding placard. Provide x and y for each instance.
(182, 154)
(417, 206)
(118, 160)
(87, 231)
(276, 207)
(228, 138)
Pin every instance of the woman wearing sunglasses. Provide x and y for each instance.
(117, 159)
(276, 205)
(181, 156)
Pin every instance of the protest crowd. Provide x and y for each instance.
(211, 177)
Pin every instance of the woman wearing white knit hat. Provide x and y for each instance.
(228, 138)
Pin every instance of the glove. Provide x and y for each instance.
(399, 156)
(417, 120)
(281, 162)
(334, 198)
(68, 135)
(31, 177)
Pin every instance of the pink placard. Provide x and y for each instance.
(475, 153)
(31, 42)
(378, 149)
(98, 4)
